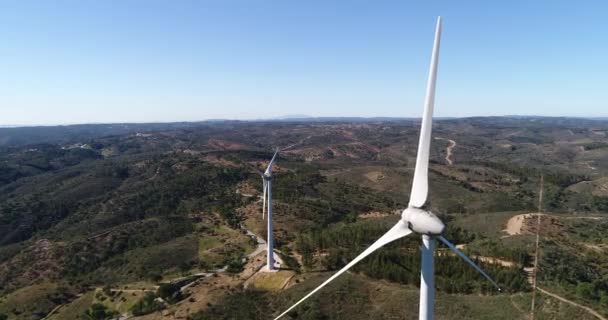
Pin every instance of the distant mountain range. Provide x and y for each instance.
(293, 118)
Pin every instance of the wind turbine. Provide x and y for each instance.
(416, 217)
(267, 193)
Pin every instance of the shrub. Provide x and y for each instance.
(168, 291)
(147, 304)
(98, 311)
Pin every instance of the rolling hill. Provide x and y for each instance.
(105, 219)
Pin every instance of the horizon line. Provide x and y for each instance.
(289, 118)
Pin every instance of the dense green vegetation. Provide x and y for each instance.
(400, 261)
(589, 231)
(105, 212)
(357, 298)
(327, 201)
(147, 304)
(247, 304)
(493, 248)
(583, 276)
(93, 206)
(98, 311)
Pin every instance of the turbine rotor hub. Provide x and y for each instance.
(423, 221)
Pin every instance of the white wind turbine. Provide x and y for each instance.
(416, 217)
(267, 186)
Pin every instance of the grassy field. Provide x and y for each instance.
(207, 242)
(116, 301)
(221, 243)
(33, 302)
(76, 308)
(270, 281)
(489, 225)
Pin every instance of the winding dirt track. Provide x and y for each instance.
(514, 226)
(591, 311)
(53, 311)
(448, 150)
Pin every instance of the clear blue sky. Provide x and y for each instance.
(107, 61)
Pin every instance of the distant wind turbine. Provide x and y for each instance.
(416, 217)
(267, 207)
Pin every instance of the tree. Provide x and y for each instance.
(585, 290)
(604, 301)
(236, 264)
(168, 291)
(155, 276)
(311, 311)
(146, 305)
(98, 311)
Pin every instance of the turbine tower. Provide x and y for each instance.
(416, 217)
(267, 193)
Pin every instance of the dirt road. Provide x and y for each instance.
(448, 150)
(514, 226)
(261, 243)
(591, 311)
(485, 259)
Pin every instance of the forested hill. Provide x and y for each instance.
(20, 136)
(107, 206)
(27, 135)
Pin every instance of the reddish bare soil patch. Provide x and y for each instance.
(42, 260)
(225, 144)
(527, 224)
(373, 214)
(246, 190)
(219, 161)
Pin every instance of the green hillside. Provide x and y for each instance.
(141, 206)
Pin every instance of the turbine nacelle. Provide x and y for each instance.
(422, 221)
(268, 173)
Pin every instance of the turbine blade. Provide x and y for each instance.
(264, 186)
(269, 168)
(464, 256)
(398, 231)
(420, 184)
